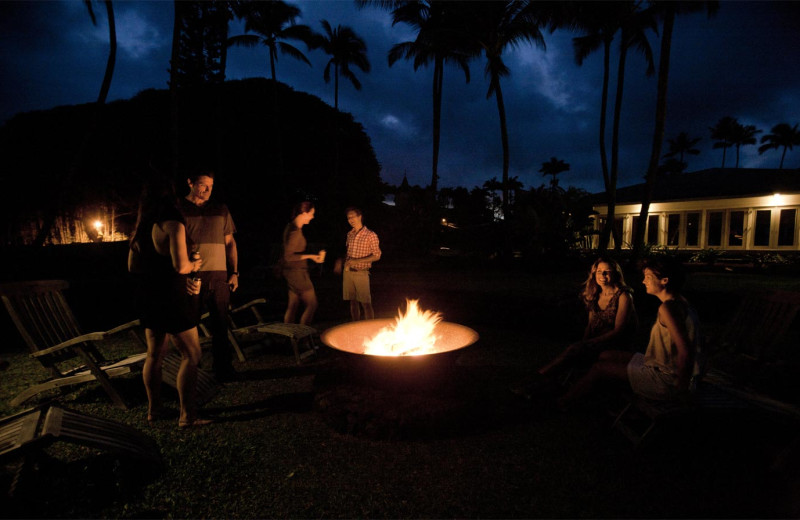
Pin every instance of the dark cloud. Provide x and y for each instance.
(742, 62)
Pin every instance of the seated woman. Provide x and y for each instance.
(612, 318)
(664, 371)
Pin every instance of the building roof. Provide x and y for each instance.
(713, 183)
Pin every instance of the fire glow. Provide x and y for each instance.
(411, 334)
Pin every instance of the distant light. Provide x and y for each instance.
(98, 225)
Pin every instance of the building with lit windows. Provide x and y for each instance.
(726, 209)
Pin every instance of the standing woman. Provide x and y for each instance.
(295, 267)
(166, 297)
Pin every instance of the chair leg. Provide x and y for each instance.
(296, 350)
(102, 378)
(236, 347)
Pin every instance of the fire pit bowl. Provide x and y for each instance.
(419, 369)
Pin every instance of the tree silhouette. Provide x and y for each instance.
(554, 167)
(632, 22)
(781, 136)
(600, 21)
(496, 26)
(438, 40)
(742, 136)
(344, 47)
(723, 133)
(681, 145)
(273, 22)
(667, 11)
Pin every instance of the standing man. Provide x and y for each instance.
(210, 229)
(362, 249)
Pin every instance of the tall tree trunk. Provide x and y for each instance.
(658, 133)
(504, 138)
(66, 184)
(438, 81)
(611, 193)
(604, 110)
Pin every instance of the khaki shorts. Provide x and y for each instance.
(649, 381)
(298, 280)
(355, 286)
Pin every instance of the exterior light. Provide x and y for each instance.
(98, 225)
(777, 199)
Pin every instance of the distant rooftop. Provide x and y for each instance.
(713, 183)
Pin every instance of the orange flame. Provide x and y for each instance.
(410, 335)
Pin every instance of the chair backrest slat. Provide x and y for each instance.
(40, 312)
(761, 323)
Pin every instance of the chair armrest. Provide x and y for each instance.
(124, 326)
(92, 336)
(248, 305)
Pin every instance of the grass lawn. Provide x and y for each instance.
(472, 450)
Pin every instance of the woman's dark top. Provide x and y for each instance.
(162, 300)
(294, 243)
(604, 320)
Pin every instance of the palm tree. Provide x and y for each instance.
(437, 41)
(723, 133)
(668, 11)
(743, 135)
(494, 27)
(681, 145)
(554, 167)
(781, 136)
(633, 26)
(602, 21)
(345, 48)
(273, 22)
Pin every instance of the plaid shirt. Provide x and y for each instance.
(360, 244)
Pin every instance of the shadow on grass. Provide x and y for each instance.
(299, 402)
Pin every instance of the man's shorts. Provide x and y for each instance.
(355, 286)
(298, 280)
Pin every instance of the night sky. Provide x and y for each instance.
(744, 62)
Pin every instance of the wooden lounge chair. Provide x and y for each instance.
(750, 340)
(256, 328)
(298, 335)
(25, 434)
(236, 333)
(46, 323)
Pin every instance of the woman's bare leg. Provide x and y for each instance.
(151, 372)
(291, 307)
(188, 344)
(310, 300)
(612, 366)
(567, 354)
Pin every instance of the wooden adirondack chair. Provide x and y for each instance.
(235, 332)
(46, 323)
(256, 329)
(25, 434)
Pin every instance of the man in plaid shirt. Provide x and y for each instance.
(362, 249)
